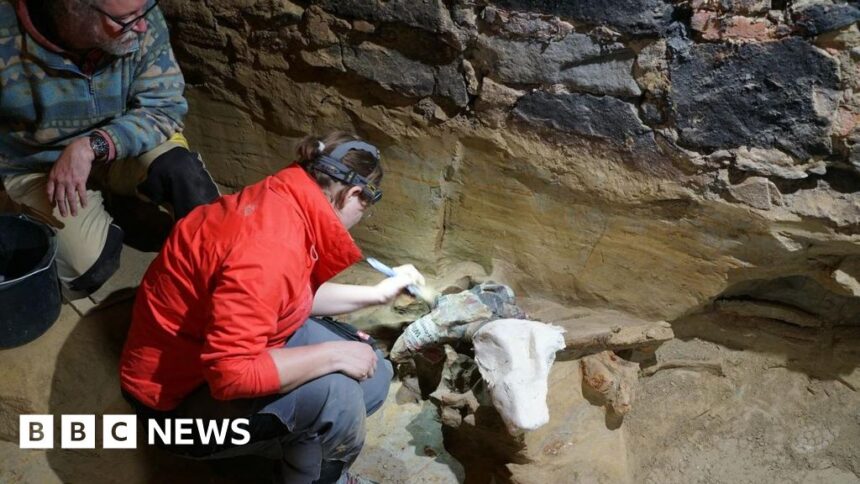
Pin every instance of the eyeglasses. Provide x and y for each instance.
(126, 26)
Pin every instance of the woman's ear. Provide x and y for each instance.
(354, 191)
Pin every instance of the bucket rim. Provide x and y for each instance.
(45, 263)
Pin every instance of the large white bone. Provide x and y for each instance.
(514, 357)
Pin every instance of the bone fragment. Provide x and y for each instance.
(612, 377)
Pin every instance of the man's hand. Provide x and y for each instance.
(67, 182)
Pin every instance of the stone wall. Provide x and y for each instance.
(645, 155)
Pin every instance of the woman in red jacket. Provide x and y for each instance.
(221, 326)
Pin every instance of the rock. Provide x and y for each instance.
(429, 110)
(748, 29)
(746, 7)
(451, 84)
(605, 118)
(707, 24)
(769, 310)
(473, 86)
(800, 300)
(721, 157)
(395, 72)
(429, 15)
(465, 17)
(757, 192)
(577, 61)
(822, 201)
(496, 101)
(847, 275)
(727, 96)
(593, 330)
(390, 69)
(525, 26)
(773, 163)
(817, 18)
(613, 77)
(363, 26)
(613, 378)
(651, 113)
(466, 30)
(712, 26)
(854, 155)
(317, 27)
(326, 57)
(652, 69)
(637, 17)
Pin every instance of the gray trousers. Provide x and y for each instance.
(315, 432)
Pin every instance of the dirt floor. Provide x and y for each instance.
(785, 409)
(759, 421)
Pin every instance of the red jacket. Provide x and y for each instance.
(234, 278)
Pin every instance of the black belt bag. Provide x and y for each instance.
(346, 330)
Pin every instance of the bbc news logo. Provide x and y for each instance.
(120, 431)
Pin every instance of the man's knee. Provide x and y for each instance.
(178, 177)
(104, 266)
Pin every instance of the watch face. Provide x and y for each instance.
(99, 146)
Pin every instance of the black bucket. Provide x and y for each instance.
(29, 289)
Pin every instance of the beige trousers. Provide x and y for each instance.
(82, 238)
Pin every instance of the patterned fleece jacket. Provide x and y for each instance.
(47, 100)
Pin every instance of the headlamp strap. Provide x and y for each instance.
(333, 166)
(339, 152)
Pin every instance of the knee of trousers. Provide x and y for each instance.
(179, 168)
(178, 177)
(333, 408)
(177, 163)
(105, 265)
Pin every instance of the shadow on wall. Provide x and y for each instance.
(86, 381)
(815, 329)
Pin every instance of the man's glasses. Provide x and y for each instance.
(126, 26)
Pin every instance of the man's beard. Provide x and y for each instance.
(122, 45)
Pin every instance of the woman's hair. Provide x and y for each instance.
(362, 162)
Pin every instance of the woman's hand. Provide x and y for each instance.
(299, 365)
(389, 288)
(353, 358)
(333, 298)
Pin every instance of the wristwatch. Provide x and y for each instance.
(100, 146)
